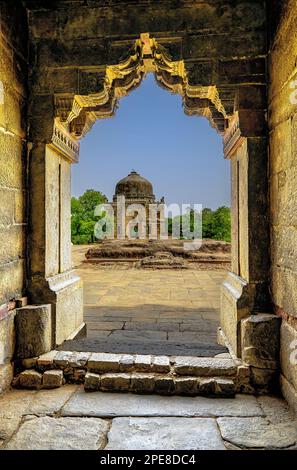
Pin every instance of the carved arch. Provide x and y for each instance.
(78, 114)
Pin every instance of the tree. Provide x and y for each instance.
(221, 224)
(215, 224)
(207, 219)
(83, 219)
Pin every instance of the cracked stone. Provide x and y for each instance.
(47, 433)
(50, 402)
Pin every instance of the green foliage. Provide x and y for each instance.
(221, 224)
(216, 224)
(82, 216)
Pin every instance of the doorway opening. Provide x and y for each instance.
(144, 295)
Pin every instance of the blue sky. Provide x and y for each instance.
(182, 156)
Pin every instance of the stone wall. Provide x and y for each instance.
(283, 185)
(13, 73)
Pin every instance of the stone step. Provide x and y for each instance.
(169, 375)
(160, 384)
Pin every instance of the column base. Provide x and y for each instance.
(65, 294)
(234, 307)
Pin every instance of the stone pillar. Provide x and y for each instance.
(245, 290)
(52, 280)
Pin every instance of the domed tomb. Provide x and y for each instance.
(135, 188)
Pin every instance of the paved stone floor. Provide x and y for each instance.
(144, 311)
(69, 418)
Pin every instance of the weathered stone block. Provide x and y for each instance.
(225, 387)
(186, 385)
(12, 276)
(30, 379)
(142, 363)
(62, 358)
(234, 307)
(160, 364)
(164, 385)
(78, 359)
(92, 382)
(29, 363)
(202, 366)
(260, 341)
(47, 360)
(126, 362)
(12, 247)
(207, 387)
(265, 380)
(33, 331)
(243, 384)
(115, 382)
(78, 376)
(142, 383)
(242, 71)
(103, 362)
(52, 379)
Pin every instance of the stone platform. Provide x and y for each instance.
(57, 419)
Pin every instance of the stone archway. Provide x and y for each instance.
(238, 113)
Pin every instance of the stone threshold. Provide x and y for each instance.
(218, 376)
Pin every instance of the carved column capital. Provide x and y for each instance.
(64, 143)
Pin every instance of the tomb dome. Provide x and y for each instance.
(136, 187)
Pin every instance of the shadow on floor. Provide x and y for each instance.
(149, 329)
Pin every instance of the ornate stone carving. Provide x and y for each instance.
(147, 55)
(232, 137)
(64, 143)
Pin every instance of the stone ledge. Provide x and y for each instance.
(160, 384)
(203, 366)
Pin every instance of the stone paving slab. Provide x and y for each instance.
(143, 335)
(258, 433)
(152, 305)
(49, 402)
(164, 434)
(48, 433)
(116, 404)
(8, 427)
(276, 409)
